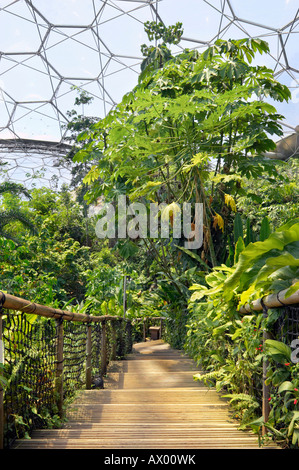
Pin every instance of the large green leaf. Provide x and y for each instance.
(265, 229)
(295, 437)
(279, 351)
(286, 386)
(194, 256)
(254, 251)
(127, 249)
(266, 267)
(286, 259)
(294, 288)
(239, 247)
(288, 225)
(295, 418)
(238, 228)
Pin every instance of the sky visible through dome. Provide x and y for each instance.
(50, 47)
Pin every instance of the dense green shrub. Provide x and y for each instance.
(228, 345)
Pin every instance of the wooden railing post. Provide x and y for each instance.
(144, 329)
(1, 389)
(59, 367)
(128, 331)
(88, 357)
(266, 388)
(104, 349)
(161, 327)
(114, 340)
(17, 304)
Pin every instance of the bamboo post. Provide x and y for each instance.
(104, 349)
(1, 389)
(59, 367)
(88, 357)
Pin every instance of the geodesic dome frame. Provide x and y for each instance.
(50, 50)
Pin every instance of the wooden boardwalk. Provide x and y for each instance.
(150, 401)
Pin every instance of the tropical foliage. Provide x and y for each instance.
(229, 344)
(195, 129)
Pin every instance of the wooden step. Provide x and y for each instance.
(216, 443)
(150, 401)
(160, 395)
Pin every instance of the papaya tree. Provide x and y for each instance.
(193, 130)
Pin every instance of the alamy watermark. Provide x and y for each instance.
(138, 220)
(295, 353)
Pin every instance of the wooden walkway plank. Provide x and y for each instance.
(150, 401)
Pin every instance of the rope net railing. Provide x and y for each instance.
(74, 349)
(286, 327)
(29, 368)
(96, 334)
(46, 357)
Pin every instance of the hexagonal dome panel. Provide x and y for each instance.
(50, 47)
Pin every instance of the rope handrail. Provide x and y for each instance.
(10, 302)
(271, 301)
(43, 362)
